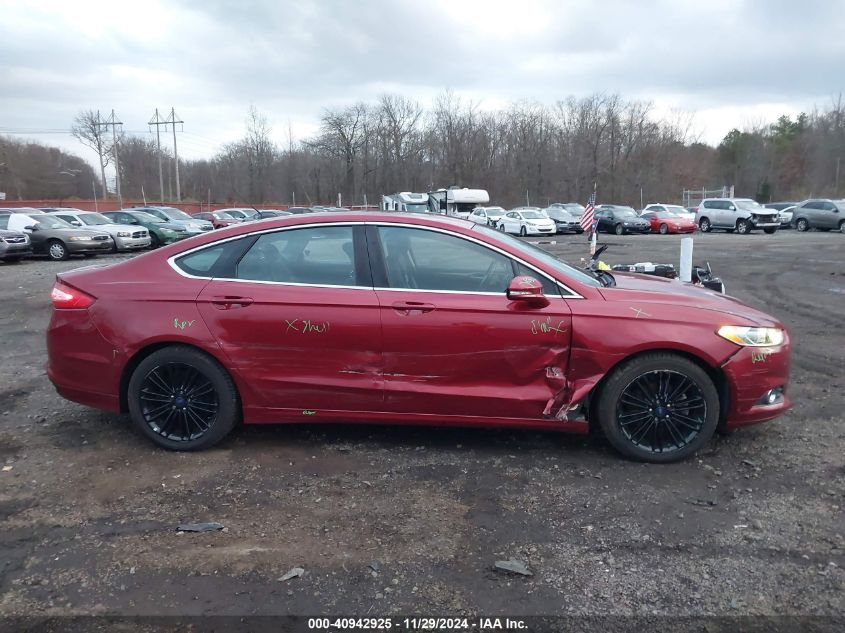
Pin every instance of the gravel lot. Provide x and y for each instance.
(388, 520)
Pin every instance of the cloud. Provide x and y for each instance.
(730, 60)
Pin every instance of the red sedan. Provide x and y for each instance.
(407, 319)
(218, 219)
(664, 222)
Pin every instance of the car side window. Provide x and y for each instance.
(4, 221)
(67, 218)
(429, 260)
(321, 255)
(550, 288)
(828, 206)
(812, 204)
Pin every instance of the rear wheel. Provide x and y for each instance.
(802, 224)
(56, 250)
(743, 227)
(704, 225)
(182, 399)
(664, 229)
(842, 226)
(658, 408)
(619, 229)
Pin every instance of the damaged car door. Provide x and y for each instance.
(455, 343)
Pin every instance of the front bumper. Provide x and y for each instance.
(15, 250)
(752, 373)
(637, 228)
(536, 230)
(757, 224)
(568, 227)
(89, 246)
(131, 243)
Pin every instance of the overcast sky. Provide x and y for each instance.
(732, 63)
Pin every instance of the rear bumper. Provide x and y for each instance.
(752, 373)
(81, 362)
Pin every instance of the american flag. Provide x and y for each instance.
(588, 218)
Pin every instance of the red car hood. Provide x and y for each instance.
(650, 289)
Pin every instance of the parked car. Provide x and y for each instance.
(614, 218)
(444, 321)
(672, 208)
(487, 215)
(263, 214)
(161, 232)
(171, 214)
(299, 210)
(784, 210)
(14, 245)
(240, 213)
(527, 221)
(821, 214)
(742, 215)
(668, 222)
(126, 237)
(53, 236)
(564, 221)
(218, 219)
(573, 208)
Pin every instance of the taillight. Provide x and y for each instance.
(66, 297)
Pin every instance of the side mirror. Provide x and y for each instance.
(76, 222)
(527, 290)
(30, 227)
(732, 208)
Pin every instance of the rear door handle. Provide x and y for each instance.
(228, 302)
(409, 307)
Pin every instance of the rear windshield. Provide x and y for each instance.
(533, 215)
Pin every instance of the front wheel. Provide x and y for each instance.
(620, 230)
(743, 227)
(182, 399)
(57, 250)
(664, 229)
(802, 225)
(704, 225)
(842, 226)
(523, 232)
(658, 408)
(154, 241)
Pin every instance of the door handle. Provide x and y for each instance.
(229, 302)
(408, 307)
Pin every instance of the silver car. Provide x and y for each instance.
(126, 237)
(821, 214)
(736, 214)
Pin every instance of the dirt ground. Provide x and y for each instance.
(389, 520)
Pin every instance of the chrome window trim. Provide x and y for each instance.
(171, 261)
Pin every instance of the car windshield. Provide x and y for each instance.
(174, 213)
(143, 216)
(233, 213)
(94, 219)
(625, 212)
(224, 215)
(557, 213)
(574, 207)
(495, 212)
(677, 210)
(533, 215)
(549, 260)
(665, 214)
(49, 222)
(416, 208)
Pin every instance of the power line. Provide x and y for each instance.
(158, 121)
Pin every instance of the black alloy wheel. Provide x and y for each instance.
(704, 225)
(802, 225)
(658, 408)
(182, 399)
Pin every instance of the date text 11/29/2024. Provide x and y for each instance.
(417, 624)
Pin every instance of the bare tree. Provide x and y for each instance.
(88, 128)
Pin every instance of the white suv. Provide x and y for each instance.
(735, 214)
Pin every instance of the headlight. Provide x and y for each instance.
(167, 232)
(124, 234)
(79, 238)
(751, 336)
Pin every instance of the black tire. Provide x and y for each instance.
(743, 227)
(523, 231)
(619, 229)
(154, 241)
(664, 229)
(769, 231)
(12, 260)
(56, 250)
(842, 226)
(646, 438)
(161, 378)
(802, 225)
(704, 225)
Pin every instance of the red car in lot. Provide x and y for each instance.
(218, 219)
(664, 222)
(393, 318)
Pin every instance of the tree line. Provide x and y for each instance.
(528, 152)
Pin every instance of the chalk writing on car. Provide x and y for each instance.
(546, 326)
(306, 326)
(181, 325)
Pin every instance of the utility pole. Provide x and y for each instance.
(173, 120)
(114, 124)
(98, 124)
(158, 122)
